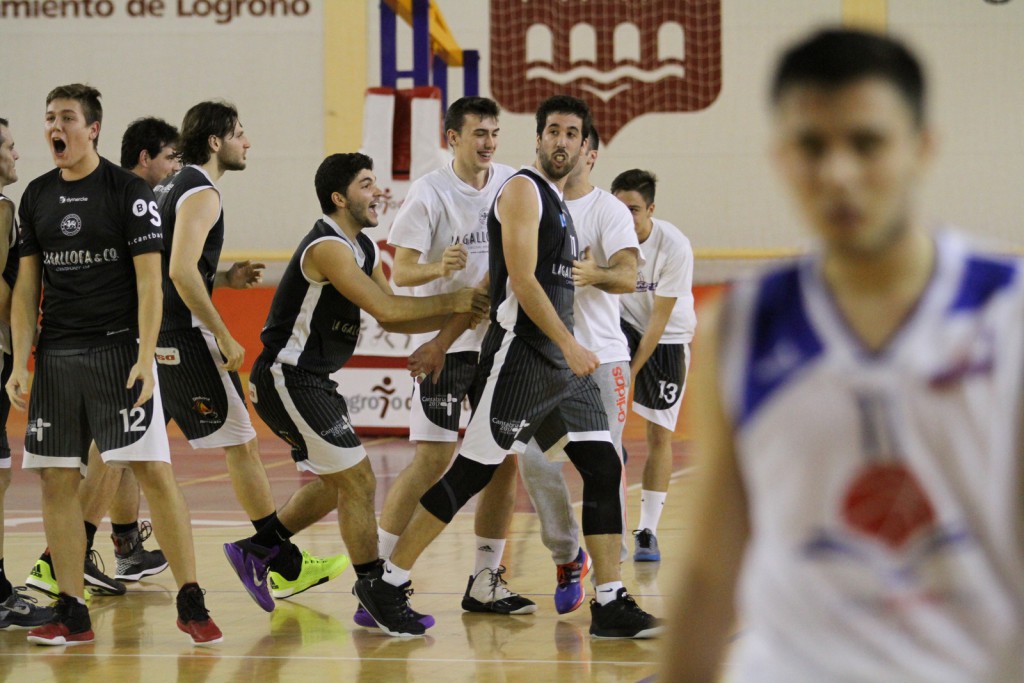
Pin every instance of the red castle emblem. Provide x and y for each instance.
(624, 58)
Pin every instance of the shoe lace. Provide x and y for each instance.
(94, 557)
(498, 585)
(643, 537)
(21, 594)
(191, 605)
(569, 573)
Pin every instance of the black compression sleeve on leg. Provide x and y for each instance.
(463, 480)
(601, 471)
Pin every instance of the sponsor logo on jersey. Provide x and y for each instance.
(76, 258)
(509, 427)
(445, 403)
(71, 225)
(36, 427)
(203, 406)
(65, 200)
(624, 58)
(644, 286)
(168, 355)
(342, 426)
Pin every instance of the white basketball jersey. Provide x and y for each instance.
(604, 224)
(885, 488)
(440, 210)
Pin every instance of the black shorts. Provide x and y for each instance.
(5, 411)
(306, 411)
(526, 397)
(659, 386)
(437, 408)
(80, 396)
(206, 401)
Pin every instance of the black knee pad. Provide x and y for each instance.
(463, 480)
(601, 471)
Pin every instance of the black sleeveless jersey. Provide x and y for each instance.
(188, 181)
(556, 250)
(311, 325)
(87, 232)
(10, 273)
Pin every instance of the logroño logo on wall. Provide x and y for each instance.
(624, 58)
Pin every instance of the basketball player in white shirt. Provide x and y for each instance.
(858, 415)
(440, 240)
(658, 321)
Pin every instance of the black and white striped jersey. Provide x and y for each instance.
(310, 324)
(187, 182)
(557, 248)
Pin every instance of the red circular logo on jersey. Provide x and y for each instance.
(886, 502)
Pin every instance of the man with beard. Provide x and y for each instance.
(538, 386)
(197, 356)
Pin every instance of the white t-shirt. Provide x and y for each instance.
(604, 224)
(668, 271)
(439, 211)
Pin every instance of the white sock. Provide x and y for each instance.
(607, 592)
(651, 504)
(488, 553)
(385, 543)
(395, 575)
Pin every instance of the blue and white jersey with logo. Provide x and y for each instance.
(885, 488)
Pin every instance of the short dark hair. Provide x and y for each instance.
(3, 124)
(564, 104)
(834, 57)
(148, 133)
(336, 173)
(208, 118)
(85, 95)
(636, 180)
(595, 139)
(482, 107)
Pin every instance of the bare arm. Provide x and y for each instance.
(24, 315)
(333, 261)
(409, 272)
(660, 314)
(195, 218)
(618, 277)
(151, 306)
(703, 617)
(520, 213)
(6, 228)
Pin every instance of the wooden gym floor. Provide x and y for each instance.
(311, 637)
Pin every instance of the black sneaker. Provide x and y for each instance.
(389, 606)
(133, 561)
(488, 592)
(71, 624)
(622, 618)
(193, 617)
(98, 582)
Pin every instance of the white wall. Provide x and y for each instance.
(715, 179)
(270, 68)
(716, 182)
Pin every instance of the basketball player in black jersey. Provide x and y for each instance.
(537, 387)
(16, 609)
(197, 355)
(90, 240)
(148, 149)
(311, 332)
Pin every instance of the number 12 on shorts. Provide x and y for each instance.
(133, 419)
